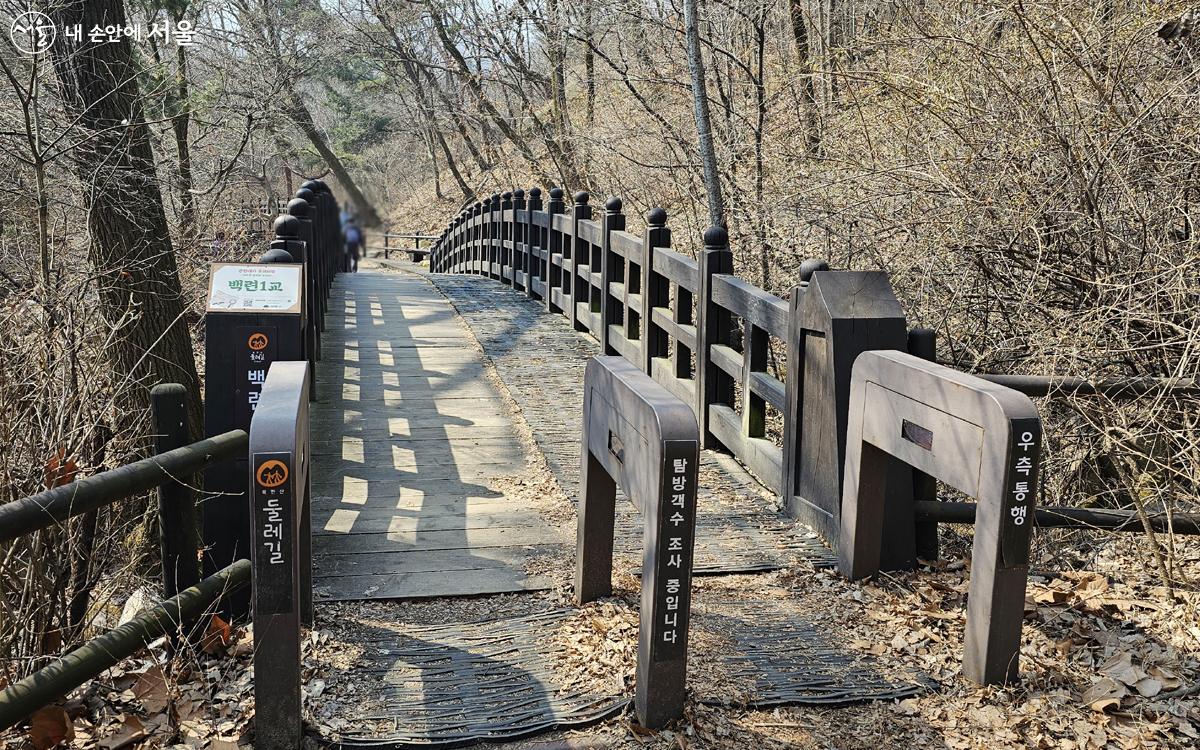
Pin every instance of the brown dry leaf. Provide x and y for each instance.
(222, 745)
(1166, 677)
(131, 731)
(49, 727)
(60, 470)
(217, 636)
(1148, 687)
(151, 690)
(1120, 667)
(1104, 694)
(1046, 595)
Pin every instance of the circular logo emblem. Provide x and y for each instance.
(272, 474)
(32, 32)
(257, 341)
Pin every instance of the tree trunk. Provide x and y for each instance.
(808, 88)
(130, 251)
(181, 121)
(300, 115)
(708, 153)
(433, 162)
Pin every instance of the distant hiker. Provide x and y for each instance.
(354, 240)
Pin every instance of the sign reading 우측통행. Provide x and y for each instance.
(255, 287)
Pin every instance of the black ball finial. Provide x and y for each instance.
(657, 217)
(305, 194)
(716, 236)
(298, 208)
(613, 205)
(811, 266)
(535, 192)
(506, 195)
(556, 194)
(276, 255)
(287, 227)
(581, 198)
(518, 193)
(321, 186)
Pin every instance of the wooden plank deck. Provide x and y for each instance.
(408, 435)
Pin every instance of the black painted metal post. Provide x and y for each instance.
(555, 246)
(612, 269)
(581, 258)
(179, 542)
(656, 289)
(713, 326)
(535, 249)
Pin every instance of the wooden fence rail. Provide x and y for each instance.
(695, 327)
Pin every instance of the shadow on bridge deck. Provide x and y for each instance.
(407, 433)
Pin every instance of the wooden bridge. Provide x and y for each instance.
(443, 450)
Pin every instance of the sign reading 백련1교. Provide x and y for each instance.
(255, 317)
(251, 287)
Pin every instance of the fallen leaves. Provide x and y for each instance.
(49, 727)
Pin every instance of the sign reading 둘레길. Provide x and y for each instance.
(252, 287)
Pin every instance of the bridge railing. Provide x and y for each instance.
(393, 243)
(696, 328)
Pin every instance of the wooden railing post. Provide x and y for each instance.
(555, 278)
(534, 268)
(839, 315)
(504, 253)
(922, 342)
(520, 253)
(458, 246)
(479, 253)
(612, 268)
(656, 289)
(713, 326)
(493, 242)
(581, 288)
(178, 541)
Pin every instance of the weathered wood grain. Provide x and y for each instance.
(408, 436)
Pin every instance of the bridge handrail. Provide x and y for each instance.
(661, 309)
(59, 504)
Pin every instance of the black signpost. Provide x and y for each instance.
(281, 552)
(255, 317)
(639, 436)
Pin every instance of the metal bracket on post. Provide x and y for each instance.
(982, 439)
(281, 551)
(640, 437)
